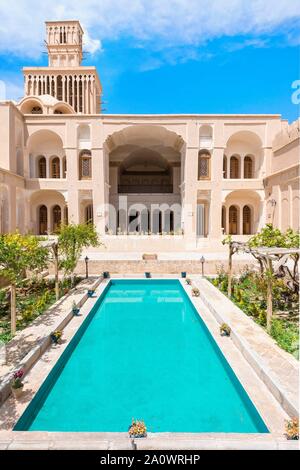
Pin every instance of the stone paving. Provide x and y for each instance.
(28, 344)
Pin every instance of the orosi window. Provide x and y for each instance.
(85, 164)
(203, 165)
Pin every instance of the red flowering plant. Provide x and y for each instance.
(16, 381)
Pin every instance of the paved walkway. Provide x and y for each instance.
(277, 368)
(25, 340)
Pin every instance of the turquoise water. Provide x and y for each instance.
(142, 353)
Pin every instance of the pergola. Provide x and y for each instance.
(272, 260)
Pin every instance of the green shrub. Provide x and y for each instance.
(286, 335)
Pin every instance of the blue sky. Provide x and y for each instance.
(175, 56)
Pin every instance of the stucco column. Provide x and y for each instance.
(100, 190)
(12, 208)
(267, 162)
(228, 167)
(189, 208)
(100, 177)
(240, 219)
(27, 214)
(215, 219)
(227, 219)
(72, 185)
(26, 160)
(242, 167)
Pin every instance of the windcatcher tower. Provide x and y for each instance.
(65, 79)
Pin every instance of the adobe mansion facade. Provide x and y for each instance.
(148, 182)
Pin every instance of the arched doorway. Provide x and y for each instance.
(56, 214)
(246, 220)
(233, 220)
(43, 220)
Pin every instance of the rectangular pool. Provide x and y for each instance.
(143, 352)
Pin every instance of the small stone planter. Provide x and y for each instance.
(56, 339)
(91, 292)
(195, 292)
(17, 392)
(225, 330)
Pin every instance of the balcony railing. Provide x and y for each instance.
(142, 189)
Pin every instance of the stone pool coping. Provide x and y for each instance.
(12, 409)
(36, 337)
(278, 369)
(37, 440)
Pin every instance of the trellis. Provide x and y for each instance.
(273, 261)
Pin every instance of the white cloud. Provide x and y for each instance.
(165, 23)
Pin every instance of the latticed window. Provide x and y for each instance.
(36, 110)
(85, 165)
(204, 165)
(246, 220)
(56, 218)
(224, 166)
(248, 167)
(43, 219)
(234, 167)
(42, 167)
(64, 167)
(233, 220)
(55, 168)
(89, 214)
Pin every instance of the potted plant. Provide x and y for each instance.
(16, 384)
(292, 429)
(225, 329)
(56, 336)
(75, 309)
(183, 274)
(188, 281)
(106, 275)
(195, 292)
(137, 429)
(91, 292)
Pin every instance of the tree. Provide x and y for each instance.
(19, 253)
(233, 248)
(270, 237)
(71, 241)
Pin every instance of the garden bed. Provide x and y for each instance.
(249, 294)
(34, 297)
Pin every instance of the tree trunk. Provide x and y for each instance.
(269, 297)
(13, 313)
(229, 289)
(55, 252)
